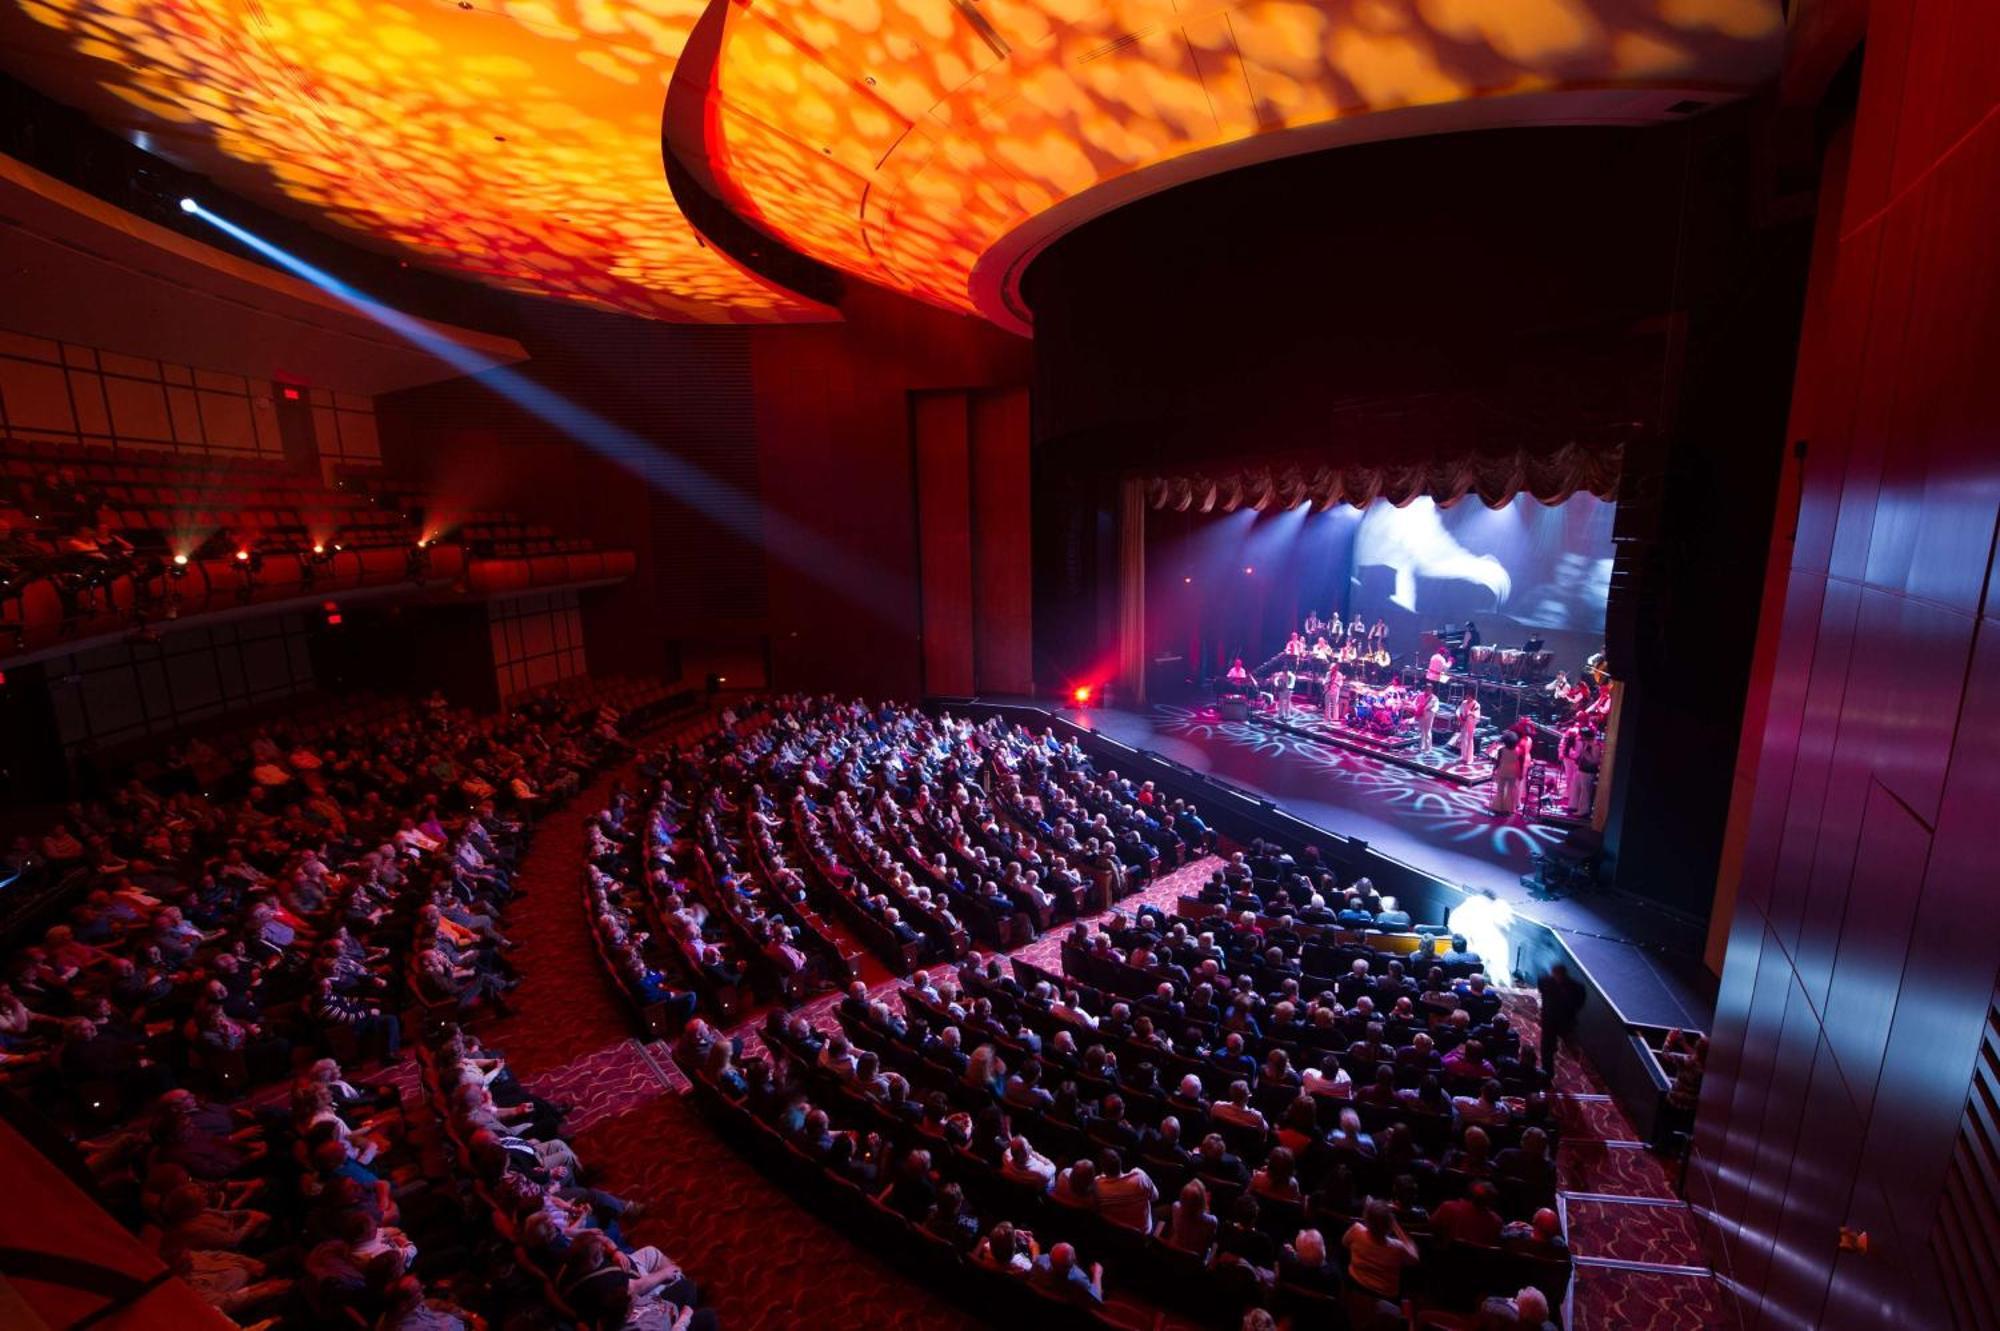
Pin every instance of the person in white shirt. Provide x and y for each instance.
(1426, 715)
(1330, 1080)
(1439, 669)
(1024, 1164)
(1125, 1196)
(1237, 1108)
(1468, 729)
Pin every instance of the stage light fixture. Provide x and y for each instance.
(1249, 569)
(189, 205)
(1187, 580)
(1081, 695)
(242, 556)
(319, 547)
(181, 560)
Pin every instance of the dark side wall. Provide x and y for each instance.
(1860, 965)
(834, 428)
(764, 475)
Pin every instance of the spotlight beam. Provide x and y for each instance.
(889, 596)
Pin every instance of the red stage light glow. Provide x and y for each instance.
(1081, 694)
(243, 555)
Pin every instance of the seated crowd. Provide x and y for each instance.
(921, 834)
(237, 925)
(1250, 1108)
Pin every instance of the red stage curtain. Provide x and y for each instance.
(1494, 478)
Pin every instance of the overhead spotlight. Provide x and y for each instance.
(1187, 579)
(181, 560)
(242, 556)
(189, 205)
(1081, 695)
(1247, 568)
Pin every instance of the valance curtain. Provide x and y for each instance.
(1495, 478)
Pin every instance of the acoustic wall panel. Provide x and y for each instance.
(61, 392)
(1850, 1035)
(939, 433)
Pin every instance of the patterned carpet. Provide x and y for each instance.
(1614, 1299)
(564, 1006)
(764, 1261)
(1632, 1231)
(1621, 1170)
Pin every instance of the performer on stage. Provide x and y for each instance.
(1336, 690)
(1322, 652)
(1572, 744)
(1295, 647)
(1427, 708)
(1510, 764)
(1468, 729)
(1357, 633)
(1589, 757)
(1282, 685)
(1335, 630)
(1378, 637)
(1237, 678)
(1439, 669)
(1350, 651)
(1314, 624)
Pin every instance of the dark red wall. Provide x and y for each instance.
(804, 549)
(1861, 955)
(835, 454)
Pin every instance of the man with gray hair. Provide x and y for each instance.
(1527, 1310)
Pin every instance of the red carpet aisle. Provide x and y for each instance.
(563, 1008)
(768, 1262)
(1638, 1255)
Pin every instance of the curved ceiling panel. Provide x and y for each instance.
(514, 141)
(929, 144)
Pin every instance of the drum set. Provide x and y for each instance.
(1378, 711)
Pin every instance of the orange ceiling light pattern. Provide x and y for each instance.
(515, 141)
(902, 140)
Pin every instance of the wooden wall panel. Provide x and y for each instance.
(1003, 629)
(940, 433)
(1861, 955)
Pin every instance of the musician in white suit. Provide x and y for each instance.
(1336, 690)
(1510, 764)
(1468, 729)
(1426, 709)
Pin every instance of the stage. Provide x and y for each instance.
(1399, 747)
(1646, 959)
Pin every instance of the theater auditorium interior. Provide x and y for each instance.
(909, 664)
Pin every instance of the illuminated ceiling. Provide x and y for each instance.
(930, 144)
(516, 141)
(927, 145)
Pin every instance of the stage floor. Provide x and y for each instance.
(1648, 960)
